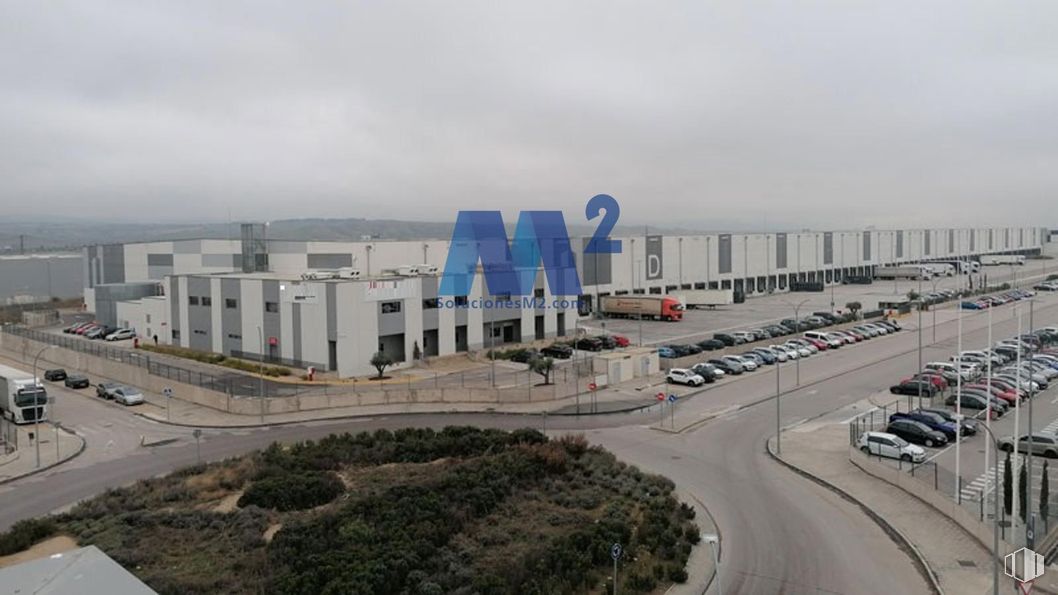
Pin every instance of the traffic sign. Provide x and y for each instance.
(592, 386)
(672, 398)
(661, 396)
(615, 551)
(168, 392)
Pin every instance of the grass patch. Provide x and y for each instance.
(217, 359)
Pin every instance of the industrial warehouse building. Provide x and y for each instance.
(252, 296)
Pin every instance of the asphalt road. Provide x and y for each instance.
(781, 533)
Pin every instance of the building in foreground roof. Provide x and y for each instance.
(83, 571)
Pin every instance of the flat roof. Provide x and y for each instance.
(85, 571)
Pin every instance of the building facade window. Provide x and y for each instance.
(207, 301)
(192, 300)
(231, 303)
(272, 307)
(199, 332)
(429, 304)
(148, 321)
(461, 300)
(235, 336)
(390, 307)
(176, 335)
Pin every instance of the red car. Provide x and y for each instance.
(820, 345)
(621, 340)
(1007, 395)
(937, 381)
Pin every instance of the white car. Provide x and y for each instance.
(684, 376)
(126, 395)
(121, 335)
(744, 336)
(881, 329)
(803, 349)
(791, 353)
(891, 446)
(827, 338)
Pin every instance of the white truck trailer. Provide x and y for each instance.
(941, 269)
(998, 259)
(911, 271)
(705, 298)
(23, 399)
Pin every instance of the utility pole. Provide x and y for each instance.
(260, 374)
(778, 428)
(920, 345)
(1029, 541)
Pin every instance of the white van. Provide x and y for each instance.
(827, 338)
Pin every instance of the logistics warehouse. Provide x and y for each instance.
(509, 303)
(332, 305)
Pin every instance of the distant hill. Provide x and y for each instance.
(71, 235)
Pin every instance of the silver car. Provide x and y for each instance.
(126, 395)
(1042, 444)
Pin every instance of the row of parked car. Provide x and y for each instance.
(989, 380)
(120, 393)
(788, 326)
(810, 343)
(1047, 286)
(992, 301)
(95, 330)
(564, 349)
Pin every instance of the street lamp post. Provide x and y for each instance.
(920, 343)
(797, 323)
(714, 543)
(36, 402)
(260, 373)
(1028, 460)
(995, 511)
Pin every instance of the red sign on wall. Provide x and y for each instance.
(273, 341)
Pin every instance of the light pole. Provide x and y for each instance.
(797, 324)
(995, 509)
(958, 410)
(714, 543)
(778, 428)
(1028, 460)
(934, 282)
(260, 373)
(37, 410)
(920, 344)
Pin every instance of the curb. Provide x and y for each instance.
(903, 542)
(55, 464)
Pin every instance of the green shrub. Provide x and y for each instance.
(25, 533)
(293, 491)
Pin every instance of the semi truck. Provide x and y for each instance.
(911, 271)
(23, 399)
(997, 259)
(941, 269)
(653, 307)
(705, 298)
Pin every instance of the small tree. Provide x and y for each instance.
(543, 366)
(381, 361)
(855, 308)
(912, 295)
(1045, 495)
(416, 353)
(1008, 487)
(1022, 500)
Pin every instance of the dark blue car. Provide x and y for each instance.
(931, 420)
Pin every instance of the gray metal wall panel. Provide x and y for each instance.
(392, 323)
(899, 244)
(927, 242)
(655, 264)
(113, 263)
(199, 318)
(991, 239)
(429, 287)
(285, 247)
(597, 267)
(270, 323)
(973, 240)
(782, 243)
(866, 245)
(231, 318)
(951, 241)
(430, 319)
(158, 273)
(159, 260)
(329, 261)
(332, 311)
(216, 260)
(724, 253)
(174, 307)
(828, 248)
(295, 322)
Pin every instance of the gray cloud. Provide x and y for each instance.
(746, 114)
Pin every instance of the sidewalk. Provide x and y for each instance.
(960, 563)
(23, 462)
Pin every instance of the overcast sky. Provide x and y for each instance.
(712, 114)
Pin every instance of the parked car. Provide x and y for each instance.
(730, 367)
(1010, 397)
(916, 432)
(747, 364)
(931, 420)
(666, 352)
(621, 340)
(524, 356)
(588, 344)
(914, 387)
(818, 344)
(969, 426)
(126, 395)
(684, 376)
(882, 444)
(55, 375)
(557, 351)
(121, 335)
(938, 381)
(770, 356)
(776, 330)
(975, 402)
(708, 371)
(76, 381)
(1042, 444)
(711, 344)
(724, 338)
(106, 389)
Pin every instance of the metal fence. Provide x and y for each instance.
(8, 436)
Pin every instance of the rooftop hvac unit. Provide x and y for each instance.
(404, 270)
(348, 273)
(426, 269)
(316, 275)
